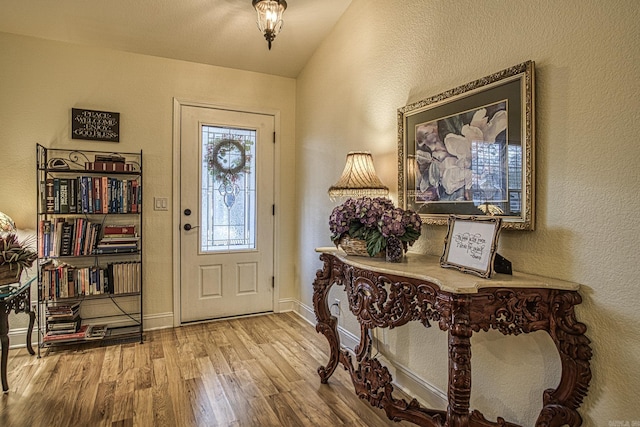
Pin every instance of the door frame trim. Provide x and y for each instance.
(178, 103)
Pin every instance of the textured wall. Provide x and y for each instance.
(41, 81)
(385, 54)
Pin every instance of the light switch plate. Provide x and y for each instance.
(160, 204)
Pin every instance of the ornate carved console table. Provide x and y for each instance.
(389, 295)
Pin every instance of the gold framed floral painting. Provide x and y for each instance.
(470, 151)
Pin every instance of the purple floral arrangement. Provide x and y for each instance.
(374, 220)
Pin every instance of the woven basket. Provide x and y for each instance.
(357, 247)
(9, 274)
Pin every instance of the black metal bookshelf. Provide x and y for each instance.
(82, 195)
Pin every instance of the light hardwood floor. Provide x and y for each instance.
(255, 371)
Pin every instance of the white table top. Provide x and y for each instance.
(427, 268)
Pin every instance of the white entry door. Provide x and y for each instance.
(227, 197)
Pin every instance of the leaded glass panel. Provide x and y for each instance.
(228, 196)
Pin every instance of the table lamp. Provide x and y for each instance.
(359, 178)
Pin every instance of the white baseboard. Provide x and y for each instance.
(158, 321)
(285, 304)
(404, 378)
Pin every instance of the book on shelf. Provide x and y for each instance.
(56, 195)
(120, 230)
(64, 195)
(79, 335)
(96, 332)
(62, 310)
(97, 194)
(62, 326)
(116, 250)
(50, 196)
(73, 195)
(110, 158)
(119, 238)
(65, 244)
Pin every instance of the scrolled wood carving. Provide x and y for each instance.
(326, 324)
(511, 311)
(561, 404)
(373, 383)
(387, 301)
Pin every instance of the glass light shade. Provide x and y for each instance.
(7, 226)
(270, 17)
(359, 178)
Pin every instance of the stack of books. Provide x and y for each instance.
(118, 239)
(63, 322)
(109, 163)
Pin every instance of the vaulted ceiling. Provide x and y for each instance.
(215, 32)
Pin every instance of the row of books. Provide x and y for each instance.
(66, 281)
(67, 237)
(92, 194)
(80, 237)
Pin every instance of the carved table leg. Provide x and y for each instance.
(32, 321)
(4, 343)
(459, 391)
(561, 404)
(326, 324)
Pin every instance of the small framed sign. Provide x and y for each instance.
(95, 125)
(470, 245)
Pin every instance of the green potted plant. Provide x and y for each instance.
(14, 256)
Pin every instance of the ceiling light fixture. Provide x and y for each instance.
(270, 17)
(359, 178)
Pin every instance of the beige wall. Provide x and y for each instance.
(40, 81)
(386, 54)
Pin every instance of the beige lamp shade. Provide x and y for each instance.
(359, 178)
(7, 226)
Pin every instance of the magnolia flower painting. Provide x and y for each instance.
(448, 152)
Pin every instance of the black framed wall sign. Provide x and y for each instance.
(95, 125)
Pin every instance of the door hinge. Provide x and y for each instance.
(273, 210)
(274, 137)
(273, 282)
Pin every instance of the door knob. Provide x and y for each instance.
(188, 226)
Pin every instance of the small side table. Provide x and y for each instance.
(15, 298)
